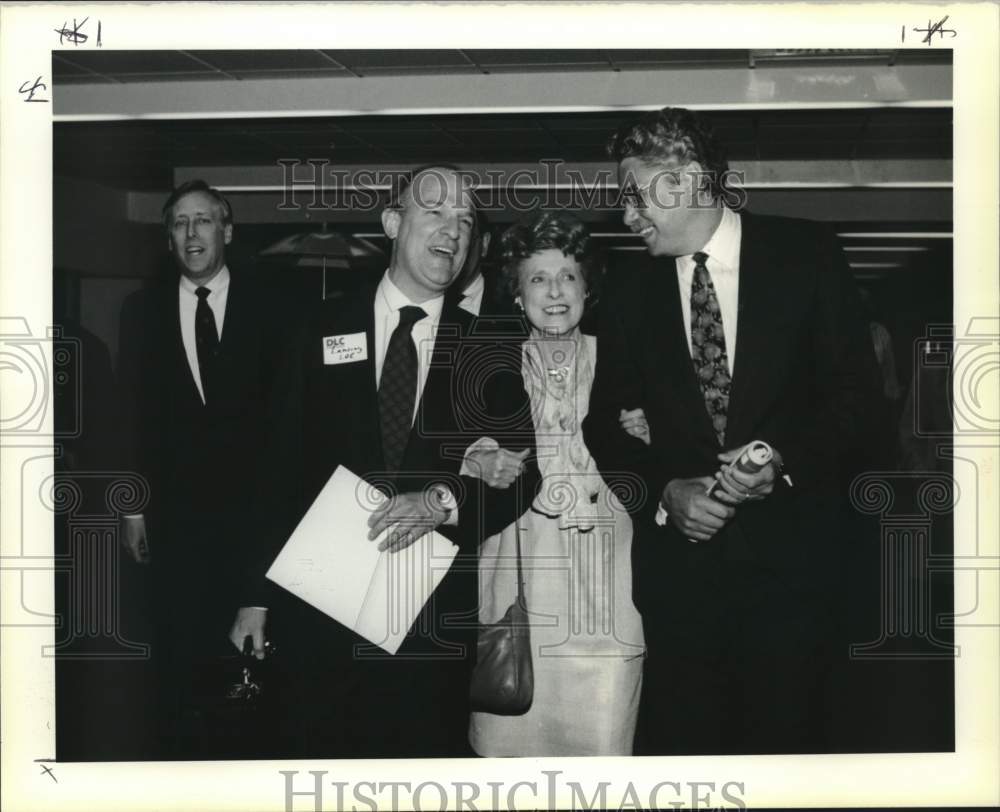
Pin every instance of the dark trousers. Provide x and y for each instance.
(342, 697)
(736, 663)
(192, 612)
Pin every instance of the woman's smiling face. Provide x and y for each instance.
(552, 291)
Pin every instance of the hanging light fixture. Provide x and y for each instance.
(325, 249)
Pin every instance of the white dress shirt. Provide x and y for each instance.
(188, 303)
(388, 300)
(723, 265)
(723, 249)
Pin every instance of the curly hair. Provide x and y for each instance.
(540, 232)
(674, 135)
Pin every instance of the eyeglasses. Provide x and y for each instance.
(638, 197)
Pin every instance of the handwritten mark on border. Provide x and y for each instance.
(933, 29)
(38, 85)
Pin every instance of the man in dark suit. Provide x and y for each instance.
(745, 328)
(399, 410)
(198, 355)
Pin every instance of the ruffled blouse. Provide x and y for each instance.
(559, 401)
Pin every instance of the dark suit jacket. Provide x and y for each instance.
(415, 702)
(327, 415)
(804, 377)
(199, 458)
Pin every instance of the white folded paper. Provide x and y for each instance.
(329, 563)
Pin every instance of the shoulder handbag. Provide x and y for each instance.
(503, 681)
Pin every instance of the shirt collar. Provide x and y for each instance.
(395, 299)
(475, 288)
(723, 247)
(219, 283)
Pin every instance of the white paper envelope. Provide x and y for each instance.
(329, 563)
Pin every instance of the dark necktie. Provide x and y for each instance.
(397, 390)
(708, 346)
(206, 338)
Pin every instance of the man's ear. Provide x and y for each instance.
(390, 223)
(700, 182)
(227, 233)
(484, 243)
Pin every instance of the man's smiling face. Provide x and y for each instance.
(430, 232)
(198, 236)
(665, 205)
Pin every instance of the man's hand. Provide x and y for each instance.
(134, 540)
(250, 621)
(736, 487)
(409, 515)
(635, 424)
(497, 467)
(696, 514)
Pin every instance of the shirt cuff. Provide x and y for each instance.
(449, 503)
(661, 515)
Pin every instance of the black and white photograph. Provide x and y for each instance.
(489, 408)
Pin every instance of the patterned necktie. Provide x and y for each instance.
(708, 346)
(206, 338)
(397, 390)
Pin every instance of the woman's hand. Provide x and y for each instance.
(497, 467)
(635, 424)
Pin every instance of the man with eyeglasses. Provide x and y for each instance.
(747, 328)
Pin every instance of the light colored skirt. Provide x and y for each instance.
(586, 636)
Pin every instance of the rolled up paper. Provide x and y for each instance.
(754, 457)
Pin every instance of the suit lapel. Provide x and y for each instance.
(235, 347)
(233, 323)
(174, 348)
(362, 386)
(755, 311)
(435, 413)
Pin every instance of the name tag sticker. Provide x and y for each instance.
(345, 349)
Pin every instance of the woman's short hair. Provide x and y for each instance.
(670, 136)
(540, 232)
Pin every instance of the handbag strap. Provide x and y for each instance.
(520, 574)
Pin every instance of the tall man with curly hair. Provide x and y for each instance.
(746, 328)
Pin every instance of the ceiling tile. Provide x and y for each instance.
(144, 62)
(400, 59)
(518, 57)
(276, 60)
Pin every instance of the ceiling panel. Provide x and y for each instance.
(516, 58)
(236, 61)
(398, 59)
(110, 63)
(155, 147)
(237, 64)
